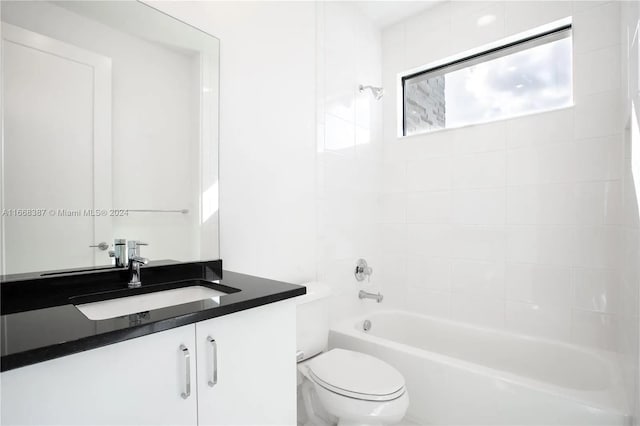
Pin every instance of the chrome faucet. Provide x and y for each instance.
(135, 260)
(366, 295)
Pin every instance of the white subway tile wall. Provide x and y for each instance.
(512, 224)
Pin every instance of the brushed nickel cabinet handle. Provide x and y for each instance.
(187, 367)
(214, 348)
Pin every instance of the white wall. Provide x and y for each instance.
(512, 224)
(267, 133)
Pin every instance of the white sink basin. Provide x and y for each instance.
(145, 302)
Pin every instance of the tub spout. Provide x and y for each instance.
(366, 295)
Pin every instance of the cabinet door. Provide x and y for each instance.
(136, 382)
(247, 367)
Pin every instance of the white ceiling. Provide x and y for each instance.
(385, 13)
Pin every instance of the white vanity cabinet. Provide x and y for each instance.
(143, 381)
(247, 367)
(138, 381)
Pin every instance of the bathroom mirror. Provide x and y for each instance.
(110, 130)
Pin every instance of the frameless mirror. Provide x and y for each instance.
(110, 130)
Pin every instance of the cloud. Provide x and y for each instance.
(535, 79)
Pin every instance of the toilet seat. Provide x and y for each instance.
(356, 375)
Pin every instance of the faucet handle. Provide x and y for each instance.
(363, 270)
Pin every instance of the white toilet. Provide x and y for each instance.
(340, 386)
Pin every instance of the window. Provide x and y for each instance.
(529, 75)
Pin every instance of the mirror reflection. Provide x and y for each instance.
(110, 131)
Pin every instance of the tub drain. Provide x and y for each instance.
(366, 326)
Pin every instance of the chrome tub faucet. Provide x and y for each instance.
(366, 295)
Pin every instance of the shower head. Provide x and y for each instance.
(377, 92)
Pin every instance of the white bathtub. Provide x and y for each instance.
(459, 374)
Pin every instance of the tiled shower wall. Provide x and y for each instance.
(513, 224)
(349, 148)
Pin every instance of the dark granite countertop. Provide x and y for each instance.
(39, 321)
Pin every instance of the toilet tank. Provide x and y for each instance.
(312, 320)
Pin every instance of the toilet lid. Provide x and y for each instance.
(356, 375)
